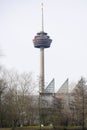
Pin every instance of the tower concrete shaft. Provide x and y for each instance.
(41, 85)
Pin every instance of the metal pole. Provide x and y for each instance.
(39, 111)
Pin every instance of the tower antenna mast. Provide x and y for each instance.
(42, 19)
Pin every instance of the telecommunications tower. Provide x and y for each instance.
(42, 41)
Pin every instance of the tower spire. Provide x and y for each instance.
(42, 18)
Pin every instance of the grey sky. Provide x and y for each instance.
(65, 21)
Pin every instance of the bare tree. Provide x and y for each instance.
(26, 88)
(2, 92)
(80, 102)
(17, 98)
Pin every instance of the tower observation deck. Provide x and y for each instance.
(42, 41)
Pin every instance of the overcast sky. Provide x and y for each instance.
(65, 21)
